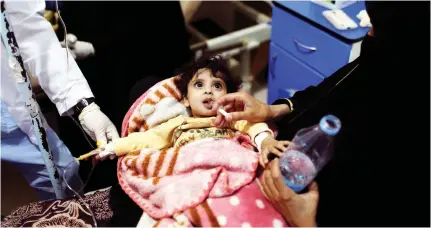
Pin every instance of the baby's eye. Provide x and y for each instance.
(218, 85)
(198, 84)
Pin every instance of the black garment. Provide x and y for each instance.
(379, 174)
(132, 39)
(126, 213)
(398, 18)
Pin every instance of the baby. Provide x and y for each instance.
(200, 85)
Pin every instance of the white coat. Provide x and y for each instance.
(44, 57)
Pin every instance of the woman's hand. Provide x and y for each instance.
(297, 209)
(271, 145)
(241, 106)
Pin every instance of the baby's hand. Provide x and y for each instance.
(101, 153)
(106, 151)
(271, 145)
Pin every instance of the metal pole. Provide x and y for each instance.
(256, 33)
(25, 89)
(245, 71)
(251, 12)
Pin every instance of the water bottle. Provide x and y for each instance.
(309, 151)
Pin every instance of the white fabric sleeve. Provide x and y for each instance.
(62, 80)
(259, 139)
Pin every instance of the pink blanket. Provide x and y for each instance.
(197, 183)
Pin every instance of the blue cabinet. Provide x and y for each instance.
(305, 48)
(289, 74)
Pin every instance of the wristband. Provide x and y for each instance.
(82, 104)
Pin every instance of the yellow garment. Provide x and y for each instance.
(181, 130)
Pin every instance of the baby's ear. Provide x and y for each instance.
(186, 102)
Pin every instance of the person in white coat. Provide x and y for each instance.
(64, 84)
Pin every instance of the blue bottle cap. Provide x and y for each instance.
(330, 124)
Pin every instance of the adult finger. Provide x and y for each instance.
(222, 101)
(239, 106)
(227, 99)
(229, 108)
(216, 106)
(271, 186)
(285, 192)
(263, 186)
(242, 115)
(313, 191)
(112, 133)
(101, 137)
(218, 120)
(227, 116)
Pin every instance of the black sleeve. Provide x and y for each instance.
(303, 99)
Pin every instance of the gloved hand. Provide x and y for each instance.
(78, 49)
(97, 125)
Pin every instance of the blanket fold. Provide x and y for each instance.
(193, 184)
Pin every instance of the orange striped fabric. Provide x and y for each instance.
(131, 160)
(167, 88)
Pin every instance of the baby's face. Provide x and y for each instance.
(203, 90)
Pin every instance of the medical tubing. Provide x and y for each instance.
(82, 131)
(65, 34)
(66, 44)
(77, 192)
(88, 178)
(25, 89)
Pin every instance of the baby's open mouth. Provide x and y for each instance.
(208, 103)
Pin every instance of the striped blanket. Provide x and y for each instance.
(140, 116)
(204, 183)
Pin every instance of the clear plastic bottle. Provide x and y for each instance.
(310, 150)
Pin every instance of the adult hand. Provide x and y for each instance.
(71, 41)
(78, 49)
(241, 106)
(97, 125)
(297, 209)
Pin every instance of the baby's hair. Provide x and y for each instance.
(218, 67)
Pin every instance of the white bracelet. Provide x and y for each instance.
(259, 139)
